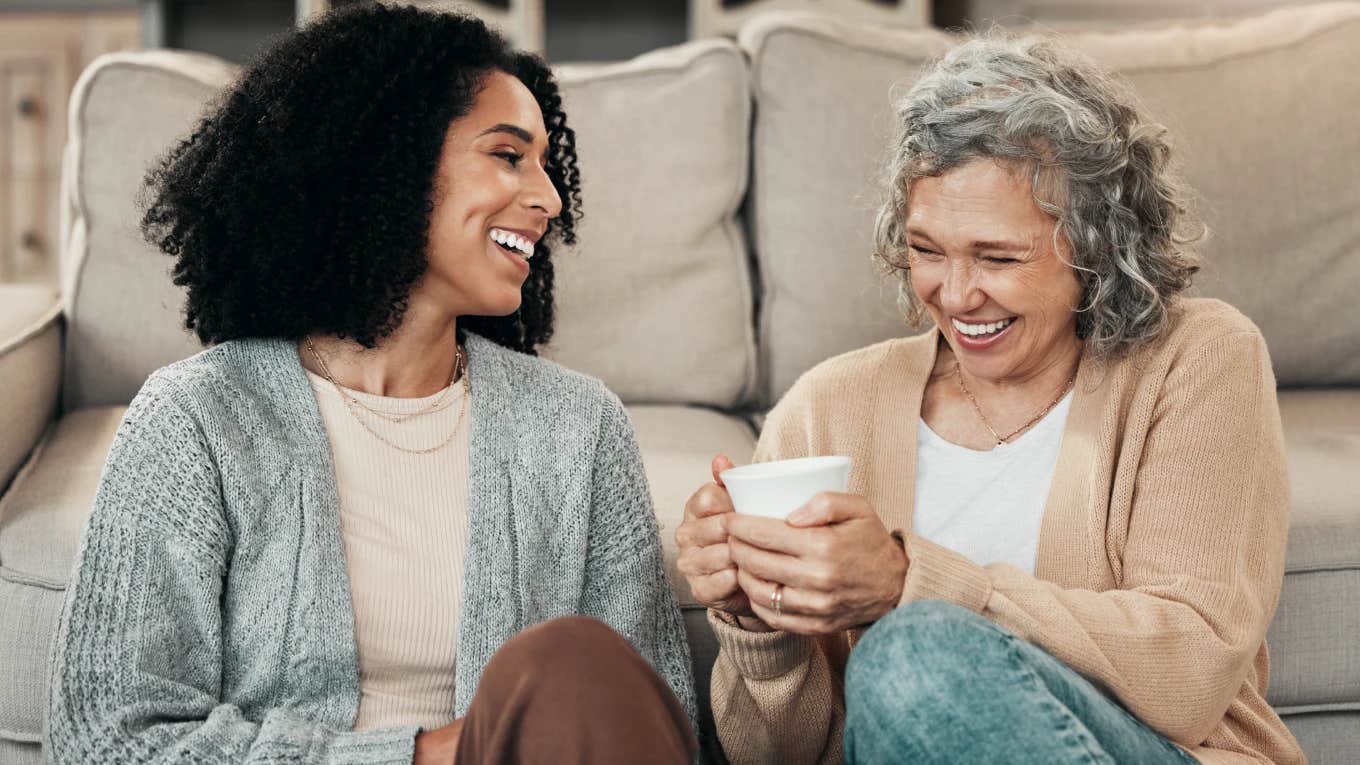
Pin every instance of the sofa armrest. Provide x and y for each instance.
(30, 370)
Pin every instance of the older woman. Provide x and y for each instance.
(1066, 522)
(369, 524)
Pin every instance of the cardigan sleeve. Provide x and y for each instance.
(776, 695)
(1201, 568)
(137, 666)
(625, 579)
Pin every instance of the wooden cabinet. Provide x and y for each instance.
(41, 55)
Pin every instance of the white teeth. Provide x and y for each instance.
(975, 330)
(513, 240)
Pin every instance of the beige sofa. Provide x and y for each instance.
(729, 192)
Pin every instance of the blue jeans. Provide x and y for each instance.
(933, 682)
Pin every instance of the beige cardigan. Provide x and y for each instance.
(1161, 551)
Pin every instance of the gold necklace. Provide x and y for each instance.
(1000, 439)
(352, 401)
(459, 372)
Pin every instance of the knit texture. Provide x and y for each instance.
(209, 617)
(1161, 551)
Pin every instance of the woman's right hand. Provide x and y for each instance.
(438, 746)
(704, 557)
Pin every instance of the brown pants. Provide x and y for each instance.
(573, 691)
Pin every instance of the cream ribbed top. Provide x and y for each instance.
(403, 518)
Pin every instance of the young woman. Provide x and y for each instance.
(328, 538)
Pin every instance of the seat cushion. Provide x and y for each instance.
(30, 370)
(678, 446)
(1315, 656)
(1231, 95)
(41, 517)
(662, 143)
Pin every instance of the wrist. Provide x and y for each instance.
(753, 624)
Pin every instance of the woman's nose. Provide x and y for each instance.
(959, 292)
(540, 193)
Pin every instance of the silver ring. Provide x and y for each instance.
(777, 600)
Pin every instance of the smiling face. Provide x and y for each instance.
(493, 201)
(984, 263)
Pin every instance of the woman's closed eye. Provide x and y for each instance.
(513, 158)
(1000, 259)
(923, 251)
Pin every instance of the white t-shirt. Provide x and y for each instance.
(988, 506)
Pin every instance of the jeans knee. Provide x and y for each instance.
(908, 656)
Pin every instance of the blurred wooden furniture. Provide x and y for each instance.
(520, 20)
(708, 18)
(41, 55)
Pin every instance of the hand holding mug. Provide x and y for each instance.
(837, 564)
(704, 559)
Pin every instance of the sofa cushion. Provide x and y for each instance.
(122, 311)
(1260, 117)
(30, 370)
(1329, 738)
(41, 518)
(663, 154)
(656, 297)
(678, 445)
(1315, 657)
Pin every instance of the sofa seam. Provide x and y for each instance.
(15, 576)
(7, 734)
(50, 317)
(954, 39)
(1350, 565)
(623, 70)
(1334, 707)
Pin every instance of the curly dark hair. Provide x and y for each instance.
(301, 203)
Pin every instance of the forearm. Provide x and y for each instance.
(775, 697)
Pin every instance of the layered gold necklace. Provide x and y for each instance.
(353, 404)
(1000, 439)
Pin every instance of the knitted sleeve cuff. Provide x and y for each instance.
(759, 655)
(938, 573)
(385, 745)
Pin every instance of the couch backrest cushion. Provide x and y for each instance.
(1260, 113)
(656, 298)
(123, 313)
(656, 288)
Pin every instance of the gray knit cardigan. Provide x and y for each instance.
(209, 620)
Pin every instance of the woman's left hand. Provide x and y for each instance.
(839, 566)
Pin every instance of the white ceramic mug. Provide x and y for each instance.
(776, 489)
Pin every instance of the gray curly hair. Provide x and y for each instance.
(1100, 168)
